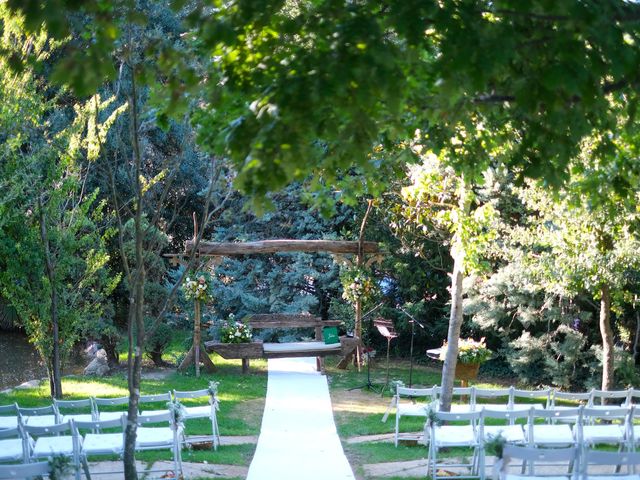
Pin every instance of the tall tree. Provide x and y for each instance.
(54, 259)
(439, 200)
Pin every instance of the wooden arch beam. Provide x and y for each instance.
(279, 246)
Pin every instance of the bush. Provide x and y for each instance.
(157, 343)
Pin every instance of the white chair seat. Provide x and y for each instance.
(40, 420)
(102, 443)
(511, 433)
(106, 416)
(154, 437)
(11, 450)
(8, 422)
(595, 434)
(551, 434)
(47, 446)
(412, 410)
(455, 435)
(78, 417)
(198, 412)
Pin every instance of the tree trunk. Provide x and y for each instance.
(55, 380)
(607, 338)
(136, 302)
(196, 337)
(455, 324)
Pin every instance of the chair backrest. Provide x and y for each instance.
(468, 392)
(600, 396)
(97, 425)
(532, 455)
(10, 409)
(414, 392)
(542, 394)
(579, 397)
(10, 433)
(158, 418)
(72, 404)
(159, 397)
(493, 392)
(35, 411)
(110, 402)
(24, 471)
(606, 413)
(471, 417)
(45, 431)
(191, 394)
(616, 459)
(508, 415)
(554, 414)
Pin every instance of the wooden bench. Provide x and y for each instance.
(246, 351)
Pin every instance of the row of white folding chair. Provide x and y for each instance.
(579, 464)
(27, 443)
(415, 408)
(476, 432)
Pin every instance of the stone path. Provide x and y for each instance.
(298, 438)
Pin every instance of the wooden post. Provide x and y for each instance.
(196, 337)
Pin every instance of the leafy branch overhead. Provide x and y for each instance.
(535, 77)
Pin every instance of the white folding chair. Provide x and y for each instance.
(407, 404)
(555, 432)
(150, 437)
(109, 408)
(61, 439)
(9, 416)
(14, 446)
(542, 463)
(189, 400)
(589, 432)
(96, 441)
(617, 460)
(634, 396)
(28, 470)
(512, 432)
(78, 410)
(39, 417)
(537, 399)
(489, 395)
(156, 404)
(468, 435)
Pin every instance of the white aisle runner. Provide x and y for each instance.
(298, 438)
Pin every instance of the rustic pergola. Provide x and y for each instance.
(338, 248)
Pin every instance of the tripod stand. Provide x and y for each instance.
(369, 385)
(413, 323)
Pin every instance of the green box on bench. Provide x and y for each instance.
(330, 335)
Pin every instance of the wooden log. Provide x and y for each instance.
(289, 321)
(277, 246)
(236, 350)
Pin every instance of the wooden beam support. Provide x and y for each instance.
(277, 246)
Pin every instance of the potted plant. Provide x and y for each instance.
(471, 353)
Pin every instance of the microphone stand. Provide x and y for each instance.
(369, 385)
(413, 322)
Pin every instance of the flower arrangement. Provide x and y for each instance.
(357, 284)
(469, 351)
(235, 331)
(196, 289)
(178, 412)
